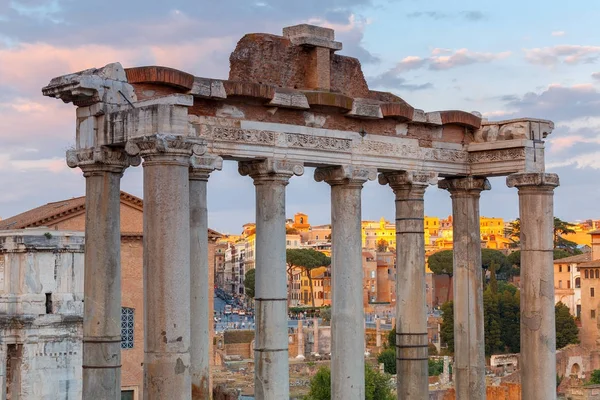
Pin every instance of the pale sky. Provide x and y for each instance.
(502, 58)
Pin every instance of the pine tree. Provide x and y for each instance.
(493, 333)
(566, 329)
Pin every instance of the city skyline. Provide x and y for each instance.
(543, 67)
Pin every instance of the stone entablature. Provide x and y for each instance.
(267, 111)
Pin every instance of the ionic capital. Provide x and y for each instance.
(270, 169)
(541, 180)
(399, 179)
(101, 159)
(345, 175)
(469, 185)
(202, 166)
(160, 145)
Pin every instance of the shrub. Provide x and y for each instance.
(377, 385)
(388, 358)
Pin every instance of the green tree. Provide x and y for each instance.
(377, 385)
(320, 385)
(595, 378)
(447, 326)
(492, 324)
(566, 329)
(306, 260)
(388, 358)
(436, 367)
(441, 263)
(489, 256)
(493, 283)
(510, 317)
(392, 338)
(249, 282)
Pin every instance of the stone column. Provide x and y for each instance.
(300, 338)
(271, 373)
(411, 305)
(316, 336)
(538, 334)
(166, 264)
(378, 333)
(201, 315)
(102, 169)
(347, 314)
(469, 347)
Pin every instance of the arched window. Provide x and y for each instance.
(577, 282)
(586, 274)
(597, 273)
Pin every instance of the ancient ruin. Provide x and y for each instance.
(291, 102)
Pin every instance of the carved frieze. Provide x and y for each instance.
(299, 140)
(403, 150)
(497, 155)
(238, 135)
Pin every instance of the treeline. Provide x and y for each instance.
(501, 310)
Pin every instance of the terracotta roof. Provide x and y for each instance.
(579, 258)
(596, 232)
(55, 211)
(45, 214)
(590, 264)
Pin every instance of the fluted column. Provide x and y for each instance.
(102, 168)
(201, 316)
(538, 331)
(469, 346)
(347, 313)
(271, 373)
(166, 264)
(411, 304)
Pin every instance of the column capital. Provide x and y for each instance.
(541, 180)
(345, 175)
(161, 145)
(270, 169)
(465, 185)
(202, 166)
(399, 179)
(101, 159)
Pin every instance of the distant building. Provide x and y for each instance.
(41, 313)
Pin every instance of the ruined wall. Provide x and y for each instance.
(506, 391)
(41, 313)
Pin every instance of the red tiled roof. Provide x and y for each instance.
(51, 212)
(579, 258)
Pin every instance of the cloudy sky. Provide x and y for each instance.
(502, 58)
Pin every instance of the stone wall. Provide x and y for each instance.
(506, 391)
(41, 294)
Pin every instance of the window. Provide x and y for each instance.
(127, 320)
(577, 282)
(568, 284)
(568, 268)
(592, 292)
(372, 274)
(593, 314)
(597, 274)
(586, 274)
(560, 284)
(560, 268)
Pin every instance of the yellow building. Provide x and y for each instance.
(373, 232)
(432, 226)
(491, 231)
